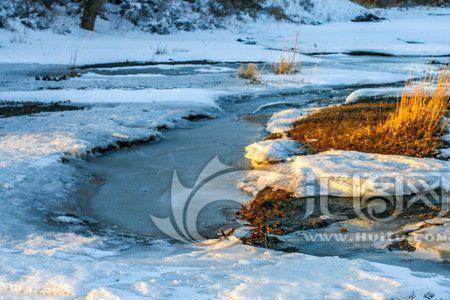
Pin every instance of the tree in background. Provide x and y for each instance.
(90, 11)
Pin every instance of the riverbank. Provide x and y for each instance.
(50, 247)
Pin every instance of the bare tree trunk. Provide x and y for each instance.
(91, 9)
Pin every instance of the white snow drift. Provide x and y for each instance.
(269, 151)
(350, 173)
(282, 121)
(180, 96)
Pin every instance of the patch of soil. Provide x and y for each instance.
(13, 109)
(369, 17)
(197, 117)
(402, 245)
(72, 73)
(368, 53)
(276, 212)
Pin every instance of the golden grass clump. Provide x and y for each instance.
(287, 65)
(419, 114)
(413, 126)
(250, 72)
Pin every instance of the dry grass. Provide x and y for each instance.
(250, 72)
(411, 127)
(287, 64)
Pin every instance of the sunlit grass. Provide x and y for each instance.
(250, 72)
(413, 126)
(287, 65)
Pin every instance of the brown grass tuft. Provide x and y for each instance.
(250, 72)
(287, 64)
(411, 127)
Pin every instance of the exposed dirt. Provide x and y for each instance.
(277, 212)
(402, 245)
(13, 109)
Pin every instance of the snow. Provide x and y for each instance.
(350, 173)
(430, 237)
(40, 260)
(269, 151)
(181, 96)
(34, 145)
(282, 121)
(107, 46)
(362, 95)
(392, 36)
(331, 77)
(223, 269)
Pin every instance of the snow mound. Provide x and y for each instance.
(220, 269)
(431, 238)
(331, 77)
(183, 95)
(272, 150)
(349, 173)
(282, 121)
(363, 95)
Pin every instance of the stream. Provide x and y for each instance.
(127, 187)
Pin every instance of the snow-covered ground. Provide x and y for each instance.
(114, 96)
(349, 173)
(272, 150)
(420, 33)
(222, 270)
(332, 77)
(44, 252)
(362, 95)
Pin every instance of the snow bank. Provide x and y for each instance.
(181, 96)
(220, 269)
(431, 238)
(437, 247)
(349, 173)
(363, 95)
(282, 121)
(272, 150)
(106, 46)
(34, 145)
(416, 34)
(331, 77)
